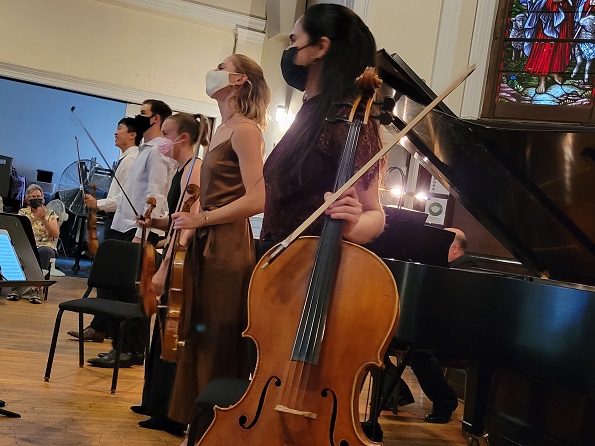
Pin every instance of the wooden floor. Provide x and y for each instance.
(76, 407)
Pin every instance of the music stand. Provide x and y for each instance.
(407, 238)
(21, 234)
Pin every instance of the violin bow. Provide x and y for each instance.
(79, 167)
(388, 146)
(75, 119)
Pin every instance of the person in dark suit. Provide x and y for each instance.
(457, 253)
(424, 363)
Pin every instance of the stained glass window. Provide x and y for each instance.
(546, 55)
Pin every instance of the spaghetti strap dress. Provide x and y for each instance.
(219, 264)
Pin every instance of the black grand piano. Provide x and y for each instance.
(530, 339)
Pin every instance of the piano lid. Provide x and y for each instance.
(532, 186)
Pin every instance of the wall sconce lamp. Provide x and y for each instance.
(392, 189)
(283, 117)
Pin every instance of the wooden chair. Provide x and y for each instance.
(115, 268)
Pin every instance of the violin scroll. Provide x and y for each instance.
(148, 263)
(194, 191)
(92, 240)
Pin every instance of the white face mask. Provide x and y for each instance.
(216, 80)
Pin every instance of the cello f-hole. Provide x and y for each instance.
(244, 419)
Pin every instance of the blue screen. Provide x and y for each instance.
(9, 261)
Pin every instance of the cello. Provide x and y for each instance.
(314, 345)
(170, 340)
(148, 262)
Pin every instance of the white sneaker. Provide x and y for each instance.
(14, 295)
(34, 296)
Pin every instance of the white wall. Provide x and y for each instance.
(112, 44)
(432, 36)
(152, 54)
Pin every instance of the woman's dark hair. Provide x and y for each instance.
(352, 49)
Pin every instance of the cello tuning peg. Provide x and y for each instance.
(385, 118)
(388, 103)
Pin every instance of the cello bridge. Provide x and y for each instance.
(301, 413)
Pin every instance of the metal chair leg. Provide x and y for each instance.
(48, 369)
(81, 341)
(118, 347)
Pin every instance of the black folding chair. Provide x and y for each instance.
(115, 268)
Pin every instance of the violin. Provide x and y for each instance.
(92, 241)
(148, 264)
(170, 339)
(314, 344)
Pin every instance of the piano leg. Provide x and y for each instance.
(478, 441)
(478, 387)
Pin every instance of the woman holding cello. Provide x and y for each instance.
(302, 392)
(220, 257)
(330, 47)
(181, 133)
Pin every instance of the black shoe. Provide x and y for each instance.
(372, 431)
(164, 424)
(438, 417)
(388, 404)
(140, 410)
(137, 358)
(89, 334)
(405, 400)
(109, 361)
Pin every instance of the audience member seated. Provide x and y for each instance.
(46, 231)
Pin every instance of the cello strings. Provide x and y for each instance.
(315, 304)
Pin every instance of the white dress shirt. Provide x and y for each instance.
(150, 176)
(114, 195)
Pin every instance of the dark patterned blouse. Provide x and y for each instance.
(282, 217)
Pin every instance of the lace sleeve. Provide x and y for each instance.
(332, 141)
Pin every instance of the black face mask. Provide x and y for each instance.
(294, 75)
(35, 202)
(142, 123)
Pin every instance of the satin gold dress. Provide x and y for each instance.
(219, 264)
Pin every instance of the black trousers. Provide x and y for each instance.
(46, 253)
(159, 379)
(431, 379)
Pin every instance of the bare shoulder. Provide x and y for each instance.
(246, 128)
(247, 136)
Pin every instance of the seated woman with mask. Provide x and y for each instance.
(46, 231)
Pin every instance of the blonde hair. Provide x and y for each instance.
(196, 126)
(252, 98)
